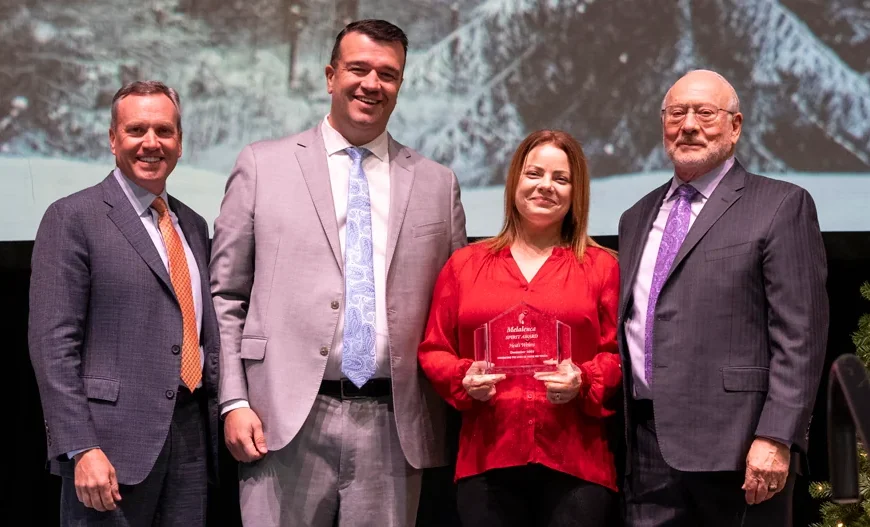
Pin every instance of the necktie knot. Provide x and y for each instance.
(357, 153)
(687, 192)
(159, 205)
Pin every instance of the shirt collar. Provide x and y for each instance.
(705, 184)
(335, 142)
(140, 198)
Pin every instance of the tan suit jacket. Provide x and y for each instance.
(278, 286)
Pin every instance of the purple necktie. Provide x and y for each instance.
(675, 232)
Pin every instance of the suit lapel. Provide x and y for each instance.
(124, 216)
(643, 225)
(315, 170)
(726, 194)
(401, 182)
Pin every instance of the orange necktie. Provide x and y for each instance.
(179, 274)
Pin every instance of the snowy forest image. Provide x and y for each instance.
(480, 75)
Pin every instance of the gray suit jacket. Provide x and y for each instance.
(741, 322)
(278, 285)
(104, 322)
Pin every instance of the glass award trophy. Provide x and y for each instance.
(523, 339)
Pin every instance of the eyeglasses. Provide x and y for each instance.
(705, 113)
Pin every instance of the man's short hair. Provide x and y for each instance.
(146, 88)
(378, 30)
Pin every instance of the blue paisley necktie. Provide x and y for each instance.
(358, 355)
(675, 232)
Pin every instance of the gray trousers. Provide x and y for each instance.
(173, 493)
(345, 467)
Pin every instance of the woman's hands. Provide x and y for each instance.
(479, 384)
(563, 384)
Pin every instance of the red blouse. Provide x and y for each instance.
(519, 425)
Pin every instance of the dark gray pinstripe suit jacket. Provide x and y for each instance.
(741, 323)
(103, 324)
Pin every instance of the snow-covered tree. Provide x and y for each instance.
(481, 74)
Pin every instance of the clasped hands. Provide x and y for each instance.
(563, 385)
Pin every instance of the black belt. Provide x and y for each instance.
(344, 389)
(641, 410)
(184, 396)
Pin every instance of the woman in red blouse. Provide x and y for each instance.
(533, 449)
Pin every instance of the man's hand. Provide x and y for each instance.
(95, 481)
(244, 435)
(478, 384)
(766, 470)
(564, 384)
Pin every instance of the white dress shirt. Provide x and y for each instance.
(377, 170)
(141, 200)
(635, 324)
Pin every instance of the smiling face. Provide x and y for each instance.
(694, 147)
(543, 193)
(364, 83)
(146, 141)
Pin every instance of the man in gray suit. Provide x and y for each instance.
(723, 324)
(123, 336)
(326, 251)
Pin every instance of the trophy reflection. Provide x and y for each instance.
(523, 339)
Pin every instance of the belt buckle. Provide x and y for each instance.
(357, 395)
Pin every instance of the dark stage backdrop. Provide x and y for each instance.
(36, 493)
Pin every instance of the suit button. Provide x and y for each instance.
(176, 349)
(324, 351)
(334, 304)
(170, 394)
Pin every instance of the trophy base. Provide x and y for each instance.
(528, 369)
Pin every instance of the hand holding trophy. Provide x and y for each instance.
(564, 384)
(478, 383)
(523, 339)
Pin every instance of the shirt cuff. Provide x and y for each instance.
(232, 405)
(71, 455)
(778, 440)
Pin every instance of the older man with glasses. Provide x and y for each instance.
(722, 325)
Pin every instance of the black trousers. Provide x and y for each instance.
(659, 496)
(532, 496)
(173, 493)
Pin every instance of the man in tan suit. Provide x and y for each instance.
(325, 253)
